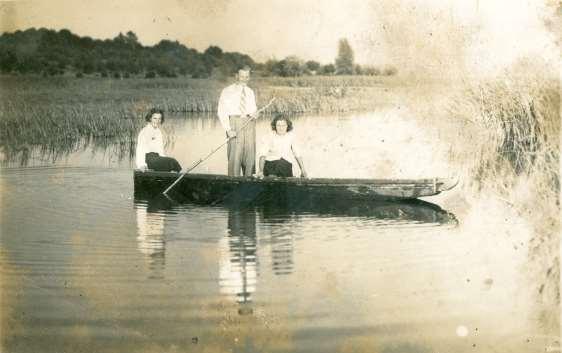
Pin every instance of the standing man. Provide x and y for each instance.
(237, 107)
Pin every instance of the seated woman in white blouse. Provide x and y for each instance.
(150, 146)
(278, 149)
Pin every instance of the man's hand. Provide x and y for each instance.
(253, 116)
(231, 134)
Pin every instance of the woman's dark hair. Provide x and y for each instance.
(155, 111)
(281, 117)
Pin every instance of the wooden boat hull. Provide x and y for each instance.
(213, 188)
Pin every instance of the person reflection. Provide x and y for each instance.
(238, 262)
(282, 245)
(277, 218)
(150, 239)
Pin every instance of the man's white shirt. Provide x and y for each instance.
(229, 103)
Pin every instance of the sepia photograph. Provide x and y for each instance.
(367, 176)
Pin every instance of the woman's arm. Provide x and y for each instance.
(140, 151)
(261, 166)
(296, 152)
(262, 154)
(301, 166)
(161, 144)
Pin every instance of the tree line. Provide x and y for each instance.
(344, 64)
(50, 53)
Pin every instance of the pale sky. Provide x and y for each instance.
(263, 29)
(401, 32)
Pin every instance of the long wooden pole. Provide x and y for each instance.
(216, 149)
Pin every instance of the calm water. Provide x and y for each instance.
(87, 268)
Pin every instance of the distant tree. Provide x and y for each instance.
(328, 69)
(235, 61)
(52, 52)
(199, 71)
(168, 47)
(371, 71)
(389, 71)
(213, 51)
(345, 58)
(132, 67)
(132, 38)
(269, 67)
(86, 43)
(291, 66)
(183, 71)
(86, 65)
(125, 43)
(111, 65)
(213, 59)
(312, 66)
(52, 70)
(31, 64)
(259, 66)
(8, 61)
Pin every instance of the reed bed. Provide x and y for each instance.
(62, 110)
(507, 141)
(327, 81)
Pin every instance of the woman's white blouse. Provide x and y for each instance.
(275, 146)
(149, 140)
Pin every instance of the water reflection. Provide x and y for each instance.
(238, 258)
(150, 240)
(282, 248)
(83, 151)
(268, 228)
(280, 236)
(383, 213)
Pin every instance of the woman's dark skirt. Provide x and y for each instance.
(279, 167)
(161, 164)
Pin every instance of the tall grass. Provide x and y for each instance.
(60, 111)
(519, 125)
(508, 142)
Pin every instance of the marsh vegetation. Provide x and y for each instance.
(59, 111)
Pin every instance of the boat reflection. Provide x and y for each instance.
(267, 226)
(150, 238)
(387, 213)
